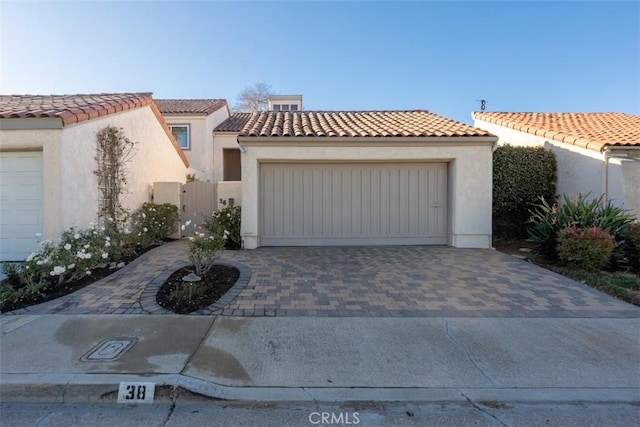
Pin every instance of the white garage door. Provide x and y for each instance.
(20, 204)
(318, 204)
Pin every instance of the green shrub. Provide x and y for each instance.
(204, 250)
(631, 245)
(152, 223)
(225, 223)
(580, 211)
(521, 175)
(588, 249)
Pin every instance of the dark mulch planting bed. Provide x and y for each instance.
(182, 298)
(54, 290)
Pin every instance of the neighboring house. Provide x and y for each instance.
(227, 161)
(362, 178)
(192, 122)
(285, 102)
(47, 161)
(597, 153)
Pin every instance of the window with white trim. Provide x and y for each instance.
(181, 134)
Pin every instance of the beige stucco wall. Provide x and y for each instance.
(470, 180)
(201, 154)
(222, 140)
(155, 159)
(580, 171)
(70, 186)
(226, 190)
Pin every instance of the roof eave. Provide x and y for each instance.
(342, 140)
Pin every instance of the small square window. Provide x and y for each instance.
(284, 107)
(276, 107)
(294, 107)
(181, 134)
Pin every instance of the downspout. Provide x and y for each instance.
(605, 176)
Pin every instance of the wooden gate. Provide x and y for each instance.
(198, 203)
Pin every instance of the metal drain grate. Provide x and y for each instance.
(109, 350)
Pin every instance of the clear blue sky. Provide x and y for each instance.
(440, 56)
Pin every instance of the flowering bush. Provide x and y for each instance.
(225, 223)
(73, 256)
(588, 249)
(204, 248)
(152, 223)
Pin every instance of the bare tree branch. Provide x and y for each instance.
(253, 98)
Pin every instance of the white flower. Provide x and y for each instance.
(105, 255)
(76, 236)
(102, 228)
(87, 256)
(39, 262)
(226, 232)
(228, 215)
(182, 228)
(108, 238)
(71, 266)
(31, 256)
(120, 264)
(57, 270)
(80, 254)
(88, 272)
(127, 231)
(145, 229)
(143, 215)
(110, 219)
(188, 223)
(107, 244)
(191, 238)
(87, 246)
(67, 246)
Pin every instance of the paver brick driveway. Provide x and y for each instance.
(354, 281)
(410, 281)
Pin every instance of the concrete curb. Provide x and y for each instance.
(94, 388)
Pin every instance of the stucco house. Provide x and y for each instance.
(47, 161)
(362, 178)
(192, 122)
(597, 153)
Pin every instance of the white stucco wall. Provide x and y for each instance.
(470, 180)
(201, 152)
(580, 171)
(155, 159)
(222, 140)
(71, 195)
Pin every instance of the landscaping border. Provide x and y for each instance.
(150, 305)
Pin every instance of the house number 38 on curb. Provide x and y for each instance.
(133, 392)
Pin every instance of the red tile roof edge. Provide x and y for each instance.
(165, 126)
(576, 140)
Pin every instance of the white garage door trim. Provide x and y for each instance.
(21, 203)
(320, 204)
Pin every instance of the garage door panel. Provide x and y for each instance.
(334, 204)
(21, 201)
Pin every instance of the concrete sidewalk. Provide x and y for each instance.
(45, 358)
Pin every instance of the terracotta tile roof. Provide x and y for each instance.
(417, 123)
(594, 131)
(234, 123)
(190, 106)
(78, 108)
(70, 108)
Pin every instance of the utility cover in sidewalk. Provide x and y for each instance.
(111, 349)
